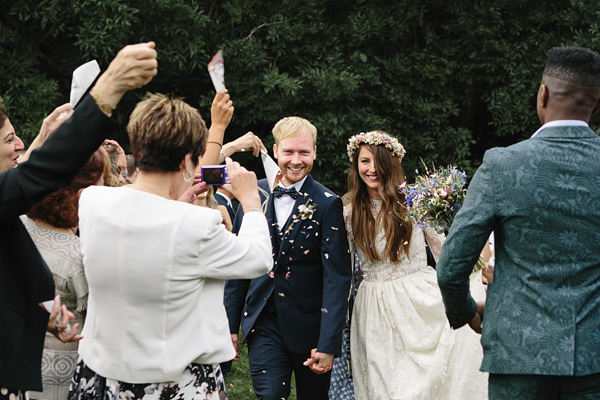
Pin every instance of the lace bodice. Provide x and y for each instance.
(386, 270)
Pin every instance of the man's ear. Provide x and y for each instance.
(275, 150)
(543, 95)
(315, 156)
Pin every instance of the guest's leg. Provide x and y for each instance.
(523, 387)
(309, 386)
(580, 387)
(270, 364)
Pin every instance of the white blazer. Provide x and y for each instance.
(155, 269)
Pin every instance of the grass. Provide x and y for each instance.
(238, 381)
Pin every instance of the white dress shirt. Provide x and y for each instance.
(284, 204)
(561, 122)
(155, 269)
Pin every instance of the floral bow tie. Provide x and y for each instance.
(280, 191)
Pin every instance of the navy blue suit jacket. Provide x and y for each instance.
(310, 278)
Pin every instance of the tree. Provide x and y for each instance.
(450, 79)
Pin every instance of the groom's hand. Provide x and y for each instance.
(477, 320)
(318, 362)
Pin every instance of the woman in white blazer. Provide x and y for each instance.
(156, 324)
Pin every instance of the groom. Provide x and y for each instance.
(541, 197)
(293, 317)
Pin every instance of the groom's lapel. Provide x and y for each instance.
(291, 228)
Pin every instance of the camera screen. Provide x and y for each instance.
(212, 175)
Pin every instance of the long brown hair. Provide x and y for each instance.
(393, 208)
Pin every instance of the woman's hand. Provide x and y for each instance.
(244, 185)
(189, 196)
(221, 110)
(59, 327)
(49, 126)
(133, 67)
(247, 142)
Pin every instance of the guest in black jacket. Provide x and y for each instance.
(25, 280)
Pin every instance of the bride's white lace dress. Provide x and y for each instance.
(402, 346)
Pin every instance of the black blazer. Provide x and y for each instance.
(310, 279)
(25, 280)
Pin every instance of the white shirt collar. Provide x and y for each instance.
(561, 122)
(296, 185)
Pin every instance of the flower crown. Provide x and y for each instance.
(376, 138)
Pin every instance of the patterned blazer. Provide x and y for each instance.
(541, 197)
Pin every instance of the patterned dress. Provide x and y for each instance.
(401, 343)
(62, 253)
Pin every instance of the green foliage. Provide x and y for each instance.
(450, 79)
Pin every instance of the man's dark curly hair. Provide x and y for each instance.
(574, 64)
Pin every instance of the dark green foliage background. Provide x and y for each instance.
(449, 78)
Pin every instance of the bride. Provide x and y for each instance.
(401, 343)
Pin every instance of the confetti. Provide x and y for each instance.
(316, 233)
(334, 228)
(271, 274)
(290, 258)
(405, 243)
(324, 310)
(287, 275)
(327, 256)
(281, 294)
(291, 241)
(306, 251)
(327, 194)
(310, 227)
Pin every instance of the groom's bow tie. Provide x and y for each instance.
(280, 191)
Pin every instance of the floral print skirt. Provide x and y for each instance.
(198, 382)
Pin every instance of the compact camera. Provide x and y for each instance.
(214, 175)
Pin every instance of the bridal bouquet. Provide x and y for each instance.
(435, 198)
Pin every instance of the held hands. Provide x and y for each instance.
(319, 363)
(234, 340)
(57, 328)
(221, 110)
(134, 66)
(477, 320)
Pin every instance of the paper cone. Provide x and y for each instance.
(83, 77)
(271, 169)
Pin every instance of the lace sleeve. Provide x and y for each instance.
(348, 223)
(434, 241)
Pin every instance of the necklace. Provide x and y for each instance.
(149, 189)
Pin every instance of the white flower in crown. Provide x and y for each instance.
(375, 138)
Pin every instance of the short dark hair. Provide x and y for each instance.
(574, 64)
(162, 130)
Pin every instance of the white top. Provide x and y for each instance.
(155, 269)
(284, 204)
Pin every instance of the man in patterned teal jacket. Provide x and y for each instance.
(541, 198)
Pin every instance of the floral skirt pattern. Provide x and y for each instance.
(198, 382)
(8, 394)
